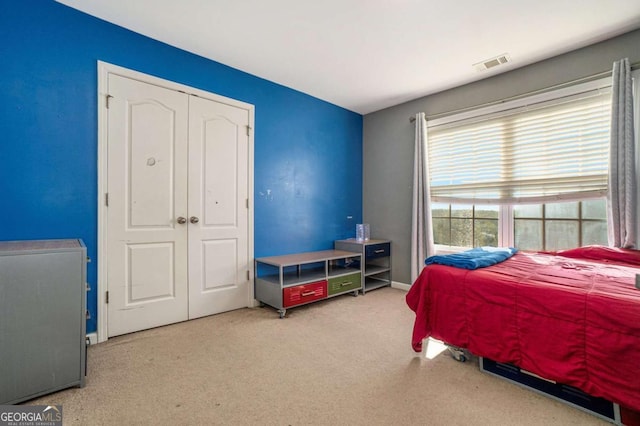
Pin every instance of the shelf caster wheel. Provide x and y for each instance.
(282, 312)
(355, 293)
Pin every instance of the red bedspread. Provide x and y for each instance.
(571, 316)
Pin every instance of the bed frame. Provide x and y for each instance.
(570, 317)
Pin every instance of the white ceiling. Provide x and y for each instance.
(366, 55)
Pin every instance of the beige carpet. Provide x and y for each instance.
(343, 361)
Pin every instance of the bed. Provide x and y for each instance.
(571, 316)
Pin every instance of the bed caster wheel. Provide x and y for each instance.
(458, 354)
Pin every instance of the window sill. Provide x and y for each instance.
(442, 249)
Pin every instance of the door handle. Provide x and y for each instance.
(181, 220)
(194, 219)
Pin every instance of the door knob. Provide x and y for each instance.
(194, 219)
(181, 220)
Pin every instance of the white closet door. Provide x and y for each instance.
(147, 185)
(218, 209)
(177, 221)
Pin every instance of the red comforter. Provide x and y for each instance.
(571, 316)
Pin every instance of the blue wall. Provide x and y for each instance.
(308, 153)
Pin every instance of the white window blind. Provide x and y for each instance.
(551, 150)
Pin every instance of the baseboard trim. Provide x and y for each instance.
(400, 286)
(93, 338)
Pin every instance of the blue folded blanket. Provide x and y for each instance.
(475, 258)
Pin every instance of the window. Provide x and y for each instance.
(465, 225)
(530, 173)
(560, 226)
(552, 226)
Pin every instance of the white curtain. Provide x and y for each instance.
(622, 211)
(421, 225)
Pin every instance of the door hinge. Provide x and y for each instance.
(247, 203)
(108, 97)
(248, 130)
(106, 199)
(107, 297)
(248, 276)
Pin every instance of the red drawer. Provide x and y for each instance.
(292, 296)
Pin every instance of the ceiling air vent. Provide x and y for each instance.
(493, 62)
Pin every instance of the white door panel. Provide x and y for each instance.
(145, 284)
(219, 266)
(150, 165)
(220, 162)
(147, 180)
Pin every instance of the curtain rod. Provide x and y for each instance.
(633, 66)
